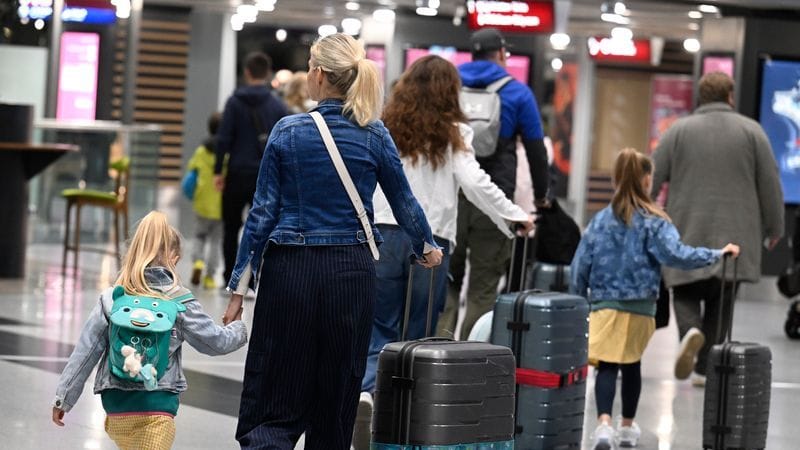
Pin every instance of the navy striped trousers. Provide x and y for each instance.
(308, 347)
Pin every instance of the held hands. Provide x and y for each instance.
(219, 182)
(431, 259)
(731, 249)
(234, 310)
(58, 415)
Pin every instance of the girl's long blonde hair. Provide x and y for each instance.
(155, 243)
(348, 70)
(630, 194)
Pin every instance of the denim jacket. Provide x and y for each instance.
(193, 326)
(300, 199)
(617, 262)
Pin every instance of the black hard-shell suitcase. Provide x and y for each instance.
(443, 393)
(737, 395)
(547, 331)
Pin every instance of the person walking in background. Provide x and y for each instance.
(296, 96)
(435, 143)
(489, 248)
(723, 187)
(139, 416)
(313, 319)
(207, 206)
(248, 118)
(617, 268)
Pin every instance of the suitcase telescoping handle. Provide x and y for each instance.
(407, 311)
(721, 306)
(524, 264)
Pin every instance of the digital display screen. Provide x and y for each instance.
(518, 66)
(77, 76)
(780, 117)
(722, 64)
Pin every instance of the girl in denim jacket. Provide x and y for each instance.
(618, 268)
(138, 418)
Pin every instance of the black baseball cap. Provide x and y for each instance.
(487, 40)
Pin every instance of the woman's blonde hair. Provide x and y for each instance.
(344, 62)
(630, 194)
(155, 243)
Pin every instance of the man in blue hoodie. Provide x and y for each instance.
(250, 113)
(489, 248)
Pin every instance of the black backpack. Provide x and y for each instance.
(557, 235)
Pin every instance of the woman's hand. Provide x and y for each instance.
(234, 310)
(431, 259)
(58, 414)
(219, 183)
(731, 249)
(524, 229)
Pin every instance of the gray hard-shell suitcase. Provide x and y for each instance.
(444, 393)
(737, 395)
(548, 277)
(548, 333)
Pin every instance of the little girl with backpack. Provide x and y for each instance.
(135, 332)
(618, 268)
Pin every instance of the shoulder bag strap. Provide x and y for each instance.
(497, 85)
(344, 175)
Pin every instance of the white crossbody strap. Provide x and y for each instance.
(344, 175)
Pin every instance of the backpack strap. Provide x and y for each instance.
(495, 86)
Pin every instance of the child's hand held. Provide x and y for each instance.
(58, 415)
(731, 249)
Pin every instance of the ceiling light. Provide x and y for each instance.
(38, 24)
(351, 26)
(352, 6)
(556, 64)
(695, 15)
(694, 26)
(236, 22)
(620, 8)
(433, 4)
(621, 33)
(425, 11)
(614, 18)
(708, 9)
(265, 5)
(248, 13)
(383, 15)
(281, 35)
(327, 30)
(691, 45)
(559, 41)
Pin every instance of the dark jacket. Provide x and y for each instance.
(238, 136)
(519, 117)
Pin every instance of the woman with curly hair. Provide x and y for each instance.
(435, 144)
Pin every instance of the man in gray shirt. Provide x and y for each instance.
(723, 187)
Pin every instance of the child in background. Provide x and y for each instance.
(618, 268)
(207, 205)
(141, 416)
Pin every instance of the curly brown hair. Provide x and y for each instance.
(423, 112)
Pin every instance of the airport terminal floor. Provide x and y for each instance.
(43, 313)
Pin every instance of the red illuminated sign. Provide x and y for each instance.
(513, 16)
(620, 50)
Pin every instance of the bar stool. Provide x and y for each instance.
(116, 201)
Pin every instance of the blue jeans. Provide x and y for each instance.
(392, 273)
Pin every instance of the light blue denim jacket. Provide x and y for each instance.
(616, 262)
(300, 199)
(193, 326)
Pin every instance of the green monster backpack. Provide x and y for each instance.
(139, 335)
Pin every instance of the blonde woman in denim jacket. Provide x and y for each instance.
(138, 418)
(316, 290)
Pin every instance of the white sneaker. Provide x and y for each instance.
(698, 380)
(629, 436)
(362, 433)
(603, 438)
(691, 343)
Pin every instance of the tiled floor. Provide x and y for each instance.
(41, 316)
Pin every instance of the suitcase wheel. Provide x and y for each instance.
(792, 325)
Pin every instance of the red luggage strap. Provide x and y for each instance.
(550, 380)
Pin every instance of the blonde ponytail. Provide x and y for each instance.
(344, 62)
(630, 195)
(155, 242)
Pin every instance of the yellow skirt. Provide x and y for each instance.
(617, 336)
(141, 431)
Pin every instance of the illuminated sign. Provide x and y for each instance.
(81, 11)
(513, 16)
(88, 15)
(77, 76)
(620, 50)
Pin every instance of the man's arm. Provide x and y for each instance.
(224, 136)
(661, 160)
(530, 128)
(769, 190)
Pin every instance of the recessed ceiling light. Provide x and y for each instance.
(352, 6)
(622, 33)
(694, 26)
(383, 15)
(327, 30)
(695, 15)
(281, 35)
(559, 41)
(708, 9)
(691, 45)
(425, 11)
(351, 26)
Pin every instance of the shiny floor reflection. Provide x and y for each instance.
(41, 316)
